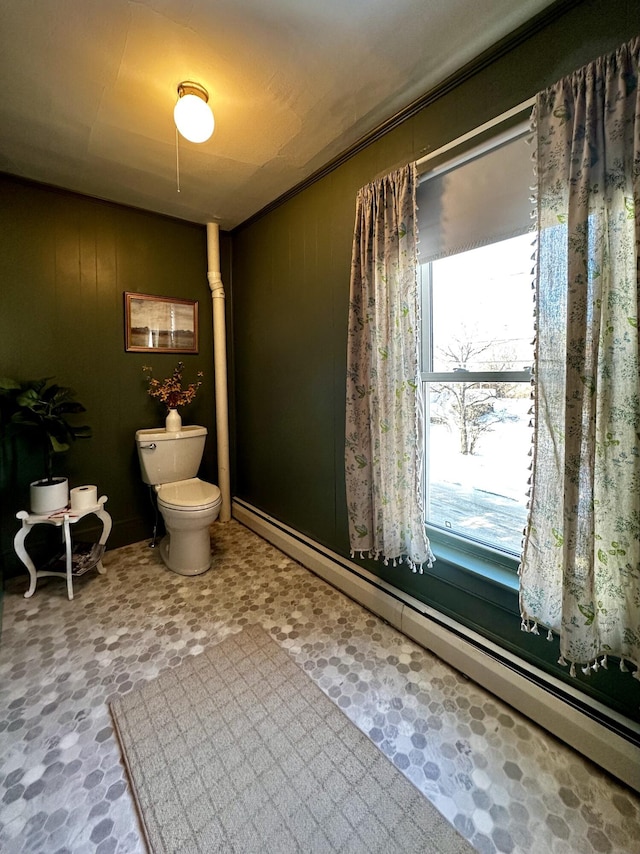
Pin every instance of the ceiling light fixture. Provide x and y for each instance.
(192, 114)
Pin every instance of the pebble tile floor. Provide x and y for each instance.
(504, 783)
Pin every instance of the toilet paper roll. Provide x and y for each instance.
(83, 497)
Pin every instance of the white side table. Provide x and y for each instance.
(63, 519)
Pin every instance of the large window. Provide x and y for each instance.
(476, 254)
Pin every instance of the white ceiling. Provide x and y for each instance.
(87, 89)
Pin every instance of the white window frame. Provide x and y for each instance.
(464, 551)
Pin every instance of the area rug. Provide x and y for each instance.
(238, 750)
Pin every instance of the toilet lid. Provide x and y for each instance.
(186, 494)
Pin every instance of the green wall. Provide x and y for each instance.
(290, 288)
(65, 262)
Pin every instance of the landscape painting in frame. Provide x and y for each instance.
(160, 324)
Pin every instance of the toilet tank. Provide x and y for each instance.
(167, 457)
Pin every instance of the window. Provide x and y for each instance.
(476, 249)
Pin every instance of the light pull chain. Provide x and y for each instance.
(177, 163)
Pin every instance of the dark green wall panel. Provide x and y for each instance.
(290, 290)
(65, 262)
(275, 320)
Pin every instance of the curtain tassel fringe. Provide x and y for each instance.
(375, 554)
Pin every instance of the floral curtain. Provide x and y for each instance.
(580, 571)
(384, 419)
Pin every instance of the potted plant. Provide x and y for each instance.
(40, 411)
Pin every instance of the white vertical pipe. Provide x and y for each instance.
(220, 367)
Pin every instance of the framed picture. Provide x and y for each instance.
(160, 324)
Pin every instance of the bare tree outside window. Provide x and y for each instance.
(473, 408)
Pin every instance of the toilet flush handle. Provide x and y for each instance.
(150, 447)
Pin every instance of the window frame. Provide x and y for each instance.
(474, 555)
(492, 563)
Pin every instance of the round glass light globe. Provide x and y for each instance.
(193, 118)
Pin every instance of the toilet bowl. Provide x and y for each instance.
(188, 508)
(169, 462)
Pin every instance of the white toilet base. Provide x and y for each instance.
(188, 552)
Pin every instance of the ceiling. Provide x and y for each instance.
(87, 89)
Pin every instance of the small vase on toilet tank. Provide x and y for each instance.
(173, 421)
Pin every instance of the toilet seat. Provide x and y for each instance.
(192, 494)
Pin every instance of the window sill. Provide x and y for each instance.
(494, 567)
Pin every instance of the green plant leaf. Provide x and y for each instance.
(83, 432)
(29, 398)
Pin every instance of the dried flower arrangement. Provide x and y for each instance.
(170, 391)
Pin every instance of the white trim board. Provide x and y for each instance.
(547, 701)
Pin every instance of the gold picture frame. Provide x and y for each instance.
(155, 324)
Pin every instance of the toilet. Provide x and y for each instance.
(169, 462)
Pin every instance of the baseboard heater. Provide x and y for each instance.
(605, 737)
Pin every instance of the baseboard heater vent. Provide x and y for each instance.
(603, 736)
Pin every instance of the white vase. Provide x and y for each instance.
(46, 498)
(173, 421)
